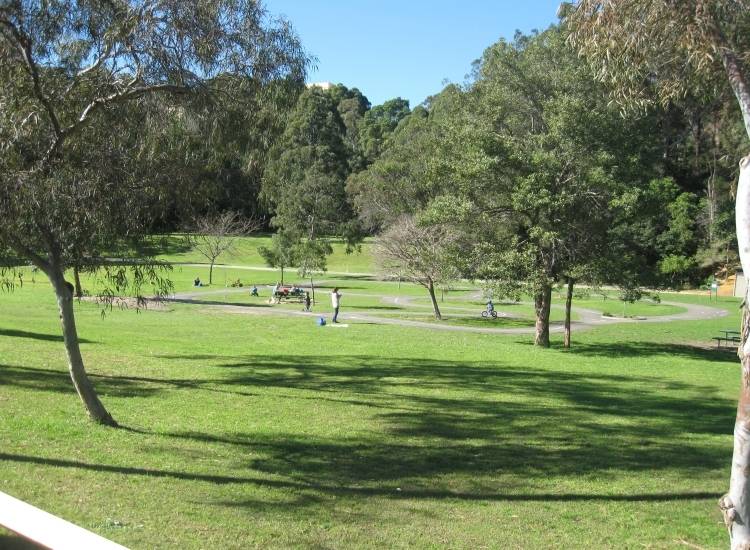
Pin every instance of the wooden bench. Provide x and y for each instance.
(47, 530)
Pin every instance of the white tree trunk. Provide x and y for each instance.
(736, 503)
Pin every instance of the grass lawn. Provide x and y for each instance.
(268, 431)
(254, 431)
(175, 248)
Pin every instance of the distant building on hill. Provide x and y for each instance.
(321, 85)
(733, 285)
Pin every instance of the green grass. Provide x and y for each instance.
(175, 248)
(268, 431)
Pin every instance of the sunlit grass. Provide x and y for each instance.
(269, 431)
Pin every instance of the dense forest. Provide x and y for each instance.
(527, 155)
(526, 177)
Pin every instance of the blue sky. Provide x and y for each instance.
(407, 48)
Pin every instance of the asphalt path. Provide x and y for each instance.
(587, 318)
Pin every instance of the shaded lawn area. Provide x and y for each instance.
(243, 431)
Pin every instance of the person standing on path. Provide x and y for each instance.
(335, 301)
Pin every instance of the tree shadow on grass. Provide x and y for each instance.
(415, 491)
(108, 384)
(479, 421)
(13, 333)
(650, 349)
(447, 429)
(494, 390)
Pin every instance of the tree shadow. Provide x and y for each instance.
(651, 349)
(13, 333)
(109, 384)
(58, 381)
(414, 492)
(465, 430)
(479, 418)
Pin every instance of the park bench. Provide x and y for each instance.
(289, 294)
(47, 530)
(731, 338)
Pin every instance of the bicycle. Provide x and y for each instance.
(486, 314)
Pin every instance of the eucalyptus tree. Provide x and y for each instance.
(378, 125)
(305, 180)
(538, 159)
(352, 106)
(243, 120)
(392, 195)
(394, 184)
(660, 50)
(79, 85)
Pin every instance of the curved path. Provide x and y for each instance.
(588, 318)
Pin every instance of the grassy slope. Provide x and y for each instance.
(175, 249)
(247, 431)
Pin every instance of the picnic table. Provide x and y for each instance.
(730, 337)
(286, 293)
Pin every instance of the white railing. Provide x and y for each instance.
(47, 530)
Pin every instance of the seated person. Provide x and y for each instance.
(490, 306)
(197, 282)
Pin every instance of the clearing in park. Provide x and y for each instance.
(246, 424)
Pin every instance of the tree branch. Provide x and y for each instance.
(23, 42)
(102, 102)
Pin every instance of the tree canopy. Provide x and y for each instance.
(76, 81)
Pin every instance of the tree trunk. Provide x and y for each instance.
(736, 503)
(282, 276)
(739, 84)
(85, 389)
(431, 289)
(211, 274)
(568, 302)
(77, 281)
(312, 289)
(542, 302)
